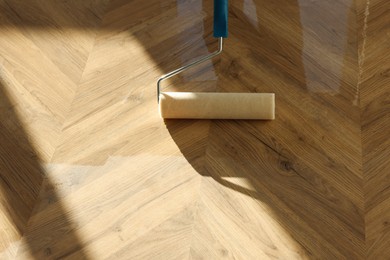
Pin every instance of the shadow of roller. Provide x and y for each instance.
(222, 150)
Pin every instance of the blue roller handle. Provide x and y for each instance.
(220, 18)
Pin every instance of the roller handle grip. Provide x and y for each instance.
(220, 18)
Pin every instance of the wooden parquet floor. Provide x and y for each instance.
(88, 169)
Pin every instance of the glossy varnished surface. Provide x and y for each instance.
(374, 87)
(80, 131)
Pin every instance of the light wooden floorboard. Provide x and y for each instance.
(88, 169)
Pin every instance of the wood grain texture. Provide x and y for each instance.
(42, 59)
(375, 115)
(80, 131)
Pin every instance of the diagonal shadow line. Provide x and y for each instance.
(21, 179)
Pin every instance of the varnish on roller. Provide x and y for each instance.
(208, 105)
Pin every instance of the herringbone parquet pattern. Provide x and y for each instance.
(88, 170)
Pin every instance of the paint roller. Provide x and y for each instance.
(206, 105)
